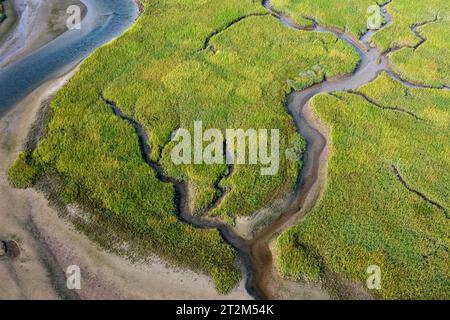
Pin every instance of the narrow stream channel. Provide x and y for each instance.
(312, 174)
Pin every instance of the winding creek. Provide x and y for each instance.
(313, 172)
(255, 254)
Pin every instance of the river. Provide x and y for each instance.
(105, 20)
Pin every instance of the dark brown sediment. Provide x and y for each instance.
(9, 249)
(378, 105)
(206, 42)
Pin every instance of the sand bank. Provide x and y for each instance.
(38, 22)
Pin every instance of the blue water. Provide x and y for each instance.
(105, 20)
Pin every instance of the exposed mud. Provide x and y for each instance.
(9, 249)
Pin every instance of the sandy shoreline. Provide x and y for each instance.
(25, 213)
(38, 23)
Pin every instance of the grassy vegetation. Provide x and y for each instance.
(366, 216)
(156, 74)
(409, 62)
(432, 56)
(247, 81)
(350, 15)
(22, 174)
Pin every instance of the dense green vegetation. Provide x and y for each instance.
(21, 173)
(410, 61)
(366, 216)
(350, 15)
(158, 75)
(432, 55)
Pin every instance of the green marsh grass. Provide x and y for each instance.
(158, 75)
(366, 216)
(429, 64)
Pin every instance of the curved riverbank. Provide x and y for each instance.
(48, 248)
(38, 23)
(104, 21)
(313, 174)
